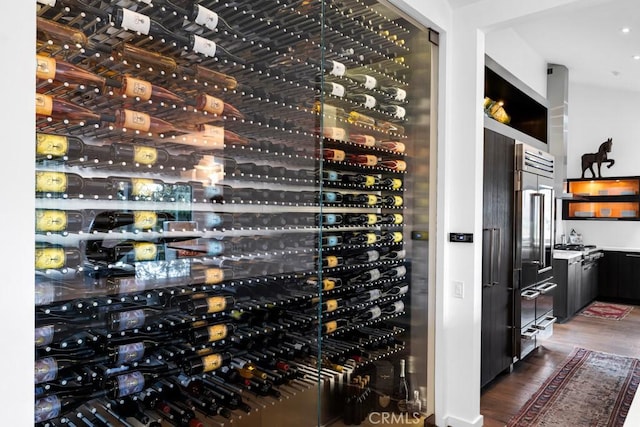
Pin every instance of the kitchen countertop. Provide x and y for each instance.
(568, 255)
(612, 248)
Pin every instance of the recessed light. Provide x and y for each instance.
(625, 30)
(636, 57)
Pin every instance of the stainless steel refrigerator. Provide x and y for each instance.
(534, 240)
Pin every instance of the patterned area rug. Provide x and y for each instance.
(589, 389)
(606, 310)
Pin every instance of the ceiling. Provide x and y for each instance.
(587, 38)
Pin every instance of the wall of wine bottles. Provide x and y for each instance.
(231, 213)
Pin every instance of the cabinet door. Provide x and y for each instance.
(609, 275)
(630, 276)
(497, 307)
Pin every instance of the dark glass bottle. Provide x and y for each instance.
(110, 221)
(59, 184)
(206, 363)
(58, 147)
(59, 221)
(57, 257)
(127, 252)
(55, 405)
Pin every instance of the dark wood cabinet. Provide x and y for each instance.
(619, 277)
(567, 273)
(497, 271)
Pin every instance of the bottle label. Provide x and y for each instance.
(217, 332)
(130, 319)
(367, 160)
(51, 220)
(400, 112)
(51, 182)
(398, 306)
(215, 247)
(330, 197)
(331, 261)
(127, 285)
(332, 241)
(144, 251)
(204, 46)
(369, 101)
(130, 383)
(372, 219)
(374, 294)
(334, 133)
(211, 362)
(137, 88)
(369, 180)
(44, 293)
(134, 21)
(46, 369)
(375, 312)
(206, 18)
(335, 155)
(44, 104)
(137, 120)
(399, 165)
(49, 258)
(212, 104)
(213, 276)
(45, 67)
(374, 275)
(145, 155)
(330, 326)
(372, 256)
(332, 219)
(396, 184)
(394, 146)
(338, 69)
(370, 82)
(128, 353)
(398, 201)
(332, 305)
(398, 218)
(397, 238)
(142, 187)
(44, 335)
(145, 220)
(216, 304)
(337, 89)
(47, 408)
(372, 199)
(52, 145)
(328, 284)
(401, 94)
(367, 140)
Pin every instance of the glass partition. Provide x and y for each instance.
(232, 213)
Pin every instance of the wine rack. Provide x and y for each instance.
(223, 192)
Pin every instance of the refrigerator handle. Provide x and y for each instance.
(541, 223)
(537, 233)
(498, 258)
(487, 275)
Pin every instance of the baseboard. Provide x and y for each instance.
(459, 422)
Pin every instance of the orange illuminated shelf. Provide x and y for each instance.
(603, 199)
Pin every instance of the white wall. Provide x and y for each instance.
(595, 114)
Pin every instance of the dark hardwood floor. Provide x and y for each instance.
(502, 398)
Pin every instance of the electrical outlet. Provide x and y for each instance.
(458, 289)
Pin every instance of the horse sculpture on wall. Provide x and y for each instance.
(589, 159)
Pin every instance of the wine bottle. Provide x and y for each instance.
(360, 179)
(209, 304)
(59, 221)
(367, 101)
(371, 255)
(142, 90)
(216, 78)
(124, 188)
(393, 183)
(392, 237)
(126, 252)
(217, 106)
(393, 146)
(48, 68)
(391, 219)
(59, 109)
(58, 147)
(361, 219)
(361, 199)
(57, 257)
(402, 392)
(134, 221)
(395, 201)
(202, 274)
(133, 319)
(394, 308)
(370, 313)
(366, 140)
(396, 110)
(397, 165)
(366, 80)
(395, 272)
(329, 219)
(206, 363)
(62, 184)
(363, 159)
(198, 14)
(78, 5)
(141, 122)
(395, 92)
(366, 276)
(332, 88)
(328, 283)
(128, 407)
(60, 32)
(360, 119)
(333, 154)
(330, 66)
(55, 405)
